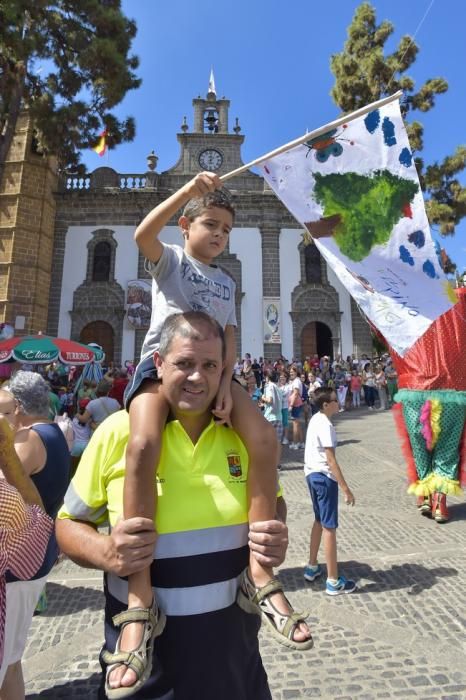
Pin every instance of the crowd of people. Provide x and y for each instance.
(357, 382)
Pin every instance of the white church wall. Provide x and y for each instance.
(246, 244)
(289, 277)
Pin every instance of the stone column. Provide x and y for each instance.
(27, 215)
(270, 235)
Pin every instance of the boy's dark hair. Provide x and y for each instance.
(217, 198)
(323, 395)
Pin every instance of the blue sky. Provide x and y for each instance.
(272, 60)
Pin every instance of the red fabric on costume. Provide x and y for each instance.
(437, 360)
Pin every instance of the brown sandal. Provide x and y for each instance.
(139, 659)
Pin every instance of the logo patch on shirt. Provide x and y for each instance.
(234, 465)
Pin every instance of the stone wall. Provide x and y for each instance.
(27, 217)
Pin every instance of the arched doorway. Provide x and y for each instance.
(99, 332)
(316, 338)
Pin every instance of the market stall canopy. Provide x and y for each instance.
(42, 349)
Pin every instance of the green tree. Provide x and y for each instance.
(69, 63)
(365, 74)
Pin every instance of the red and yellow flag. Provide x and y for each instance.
(102, 144)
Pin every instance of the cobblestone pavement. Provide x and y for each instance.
(401, 635)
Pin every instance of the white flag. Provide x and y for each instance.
(355, 189)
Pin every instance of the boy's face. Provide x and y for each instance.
(331, 408)
(207, 236)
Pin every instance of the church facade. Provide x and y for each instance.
(288, 301)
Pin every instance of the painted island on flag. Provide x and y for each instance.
(356, 191)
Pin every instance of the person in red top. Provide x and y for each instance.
(119, 385)
(431, 410)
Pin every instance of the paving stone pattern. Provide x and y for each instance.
(401, 635)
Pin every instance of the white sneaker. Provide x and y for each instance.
(301, 445)
(293, 446)
(285, 442)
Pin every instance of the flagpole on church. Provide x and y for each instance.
(313, 134)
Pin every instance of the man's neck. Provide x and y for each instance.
(194, 425)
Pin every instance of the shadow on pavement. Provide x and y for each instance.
(457, 511)
(415, 577)
(79, 688)
(66, 600)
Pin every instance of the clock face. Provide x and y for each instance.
(210, 159)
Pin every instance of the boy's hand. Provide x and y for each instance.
(202, 184)
(349, 498)
(223, 403)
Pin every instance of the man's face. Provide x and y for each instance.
(191, 373)
(8, 407)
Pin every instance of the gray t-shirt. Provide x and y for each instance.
(182, 283)
(102, 407)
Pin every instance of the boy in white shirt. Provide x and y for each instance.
(323, 476)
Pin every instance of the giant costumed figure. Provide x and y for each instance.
(430, 413)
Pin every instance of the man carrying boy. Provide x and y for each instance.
(187, 279)
(323, 476)
(208, 647)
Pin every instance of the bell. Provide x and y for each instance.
(211, 119)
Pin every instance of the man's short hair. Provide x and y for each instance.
(182, 324)
(31, 391)
(103, 387)
(323, 395)
(272, 374)
(218, 198)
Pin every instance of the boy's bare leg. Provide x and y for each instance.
(316, 537)
(147, 417)
(261, 442)
(330, 548)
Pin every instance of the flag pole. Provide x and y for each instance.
(313, 134)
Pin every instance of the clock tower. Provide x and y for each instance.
(210, 145)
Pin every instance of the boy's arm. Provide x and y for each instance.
(338, 474)
(146, 234)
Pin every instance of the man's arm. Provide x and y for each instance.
(13, 469)
(146, 234)
(338, 474)
(128, 549)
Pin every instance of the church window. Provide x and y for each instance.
(312, 266)
(102, 261)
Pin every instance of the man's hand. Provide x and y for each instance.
(132, 546)
(223, 403)
(268, 542)
(349, 498)
(202, 184)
